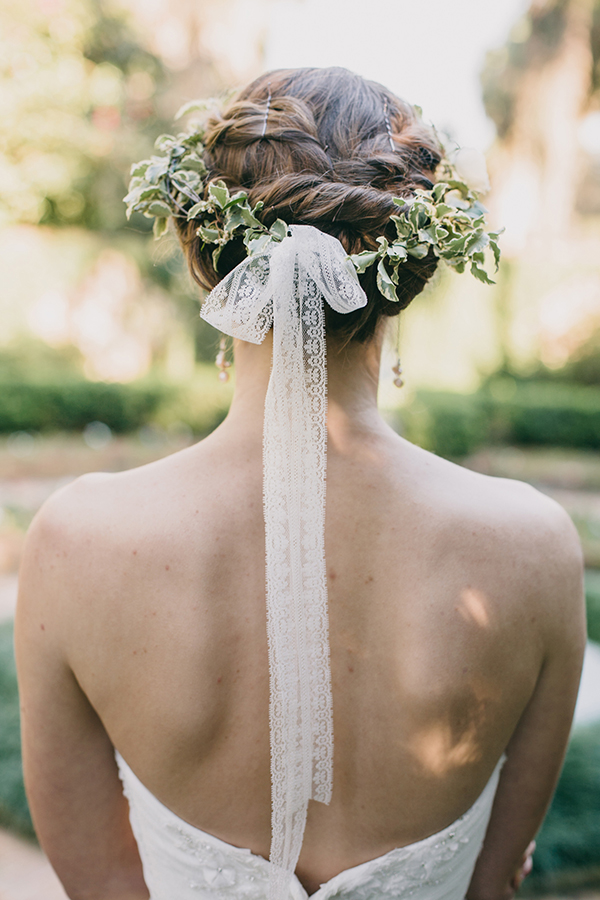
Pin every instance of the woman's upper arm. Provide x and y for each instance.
(536, 750)
(78, 808)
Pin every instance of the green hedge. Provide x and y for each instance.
(14, 812)
(562, 415)
(504, 411)
(592, 597)
(568, 845)
(69, 405)
(450, 425)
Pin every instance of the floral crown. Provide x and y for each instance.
(449, 219)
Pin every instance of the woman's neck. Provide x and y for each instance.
(352, 376)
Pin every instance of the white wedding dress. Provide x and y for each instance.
(182, 862)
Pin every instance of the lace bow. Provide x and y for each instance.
(284, 286)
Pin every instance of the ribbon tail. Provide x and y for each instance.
(295, 444)
(286, 286)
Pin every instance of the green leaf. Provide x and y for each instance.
(279, 229)
(419, 251)
(159, 227)
(139, 168)
(428, 235)
(456, 184)
(496, 251)
(457, 202)
(250, 219)
(195, 164)
(385, 283)
(476, 242)
(416, 216)
(219, 192)
(237, 199)
(403, 228)
(475, 215)
(133, 197)
(439, 190)
(443, 209)
(362, 261)
(480, 274)
(195, 106)
(154, 192)
(189, 179)
(216, 255)
(164, 142)
(397, 252)
(233, 219)
(208, 235)
(156, 170)
(196, 209)
(456, 246)
(159, 209)
(257, 244)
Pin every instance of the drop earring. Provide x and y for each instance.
(397, 368)
(221, 362)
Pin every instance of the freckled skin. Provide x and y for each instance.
(443, 655)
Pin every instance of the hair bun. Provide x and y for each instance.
(314, 146)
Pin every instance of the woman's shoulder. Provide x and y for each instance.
(497, 501)
(101, 513)
(87, 501)
(508, 524)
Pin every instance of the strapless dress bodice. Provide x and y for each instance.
(182, 862)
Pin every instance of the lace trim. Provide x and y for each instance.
(284, 286)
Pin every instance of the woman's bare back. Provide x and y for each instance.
(440, 623)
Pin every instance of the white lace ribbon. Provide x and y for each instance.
(284, 286)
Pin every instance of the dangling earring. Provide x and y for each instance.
(397, 369)
(222, 363)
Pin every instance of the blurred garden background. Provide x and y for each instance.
(105, 364)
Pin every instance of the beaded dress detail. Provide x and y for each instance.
(182, 862)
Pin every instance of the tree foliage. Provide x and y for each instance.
(534, 41)
(77, 93)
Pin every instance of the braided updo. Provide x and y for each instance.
(314, 146)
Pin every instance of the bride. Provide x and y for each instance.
(391, 722)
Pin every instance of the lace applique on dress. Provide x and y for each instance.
(184, 863)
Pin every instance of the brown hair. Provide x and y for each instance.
(324, 159)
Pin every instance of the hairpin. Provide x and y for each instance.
(388, 124)
(264, 131)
